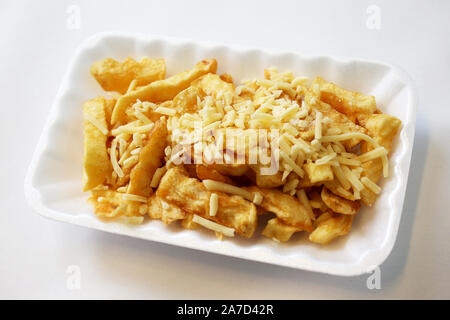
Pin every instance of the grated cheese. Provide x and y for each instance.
(229, 232)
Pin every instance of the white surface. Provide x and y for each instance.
(36, 47)
(53, 183)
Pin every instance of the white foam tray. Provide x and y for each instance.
(53, 183)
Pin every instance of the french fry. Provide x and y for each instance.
(383, 128)
(212, 85)
(162, 90)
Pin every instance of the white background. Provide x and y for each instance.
(36, 46)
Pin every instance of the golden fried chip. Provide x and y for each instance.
(383, 128)
(186, 100)
(191, 195)
(330, 227)
(159, 209)
(234, 170)
(277, 229)
(236, 212)
(106, 203)
(354, 105)
(269, 181)
(338, 204)
(212, 85)
(338, 120)
(97, 166)
(162, 90)
(373, 170)
(117, 76)
(109, 107)
(187, 222)
(209, 173)
(305, 182)
(318, 172)
(150, 159)
(285, 207)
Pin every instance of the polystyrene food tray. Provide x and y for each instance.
(53, 184)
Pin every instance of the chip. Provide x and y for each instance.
(186, 100)
(318, 173)
(192, 196)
